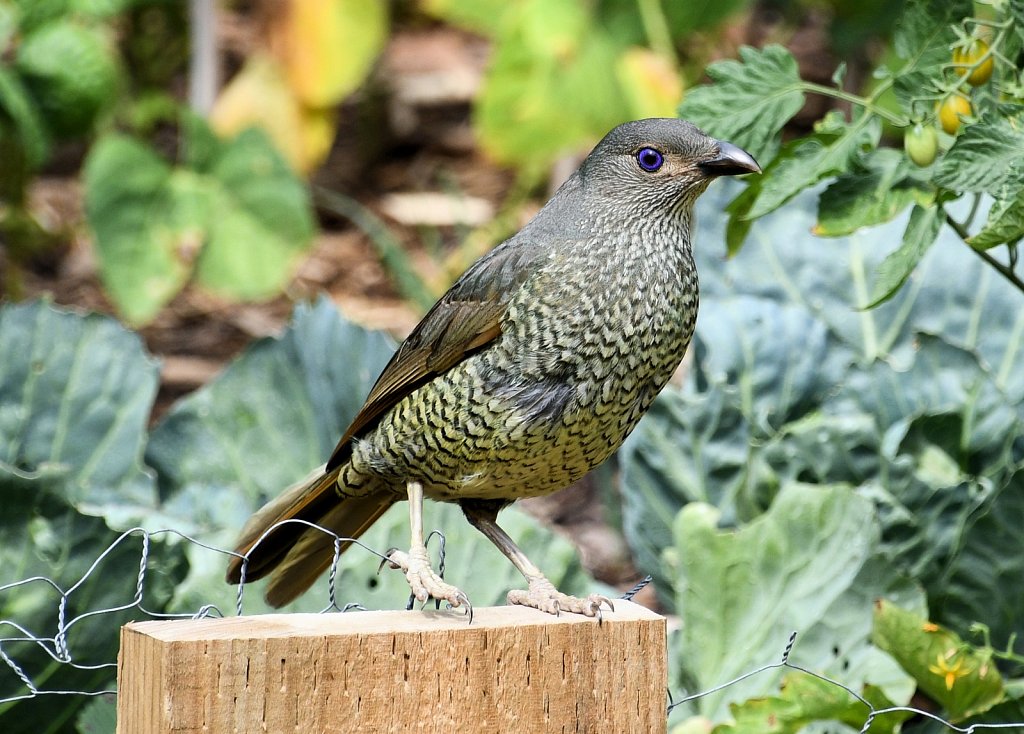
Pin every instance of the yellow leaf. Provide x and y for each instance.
(650, 82)
(328, 46)
(260, 96)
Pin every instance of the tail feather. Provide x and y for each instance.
(313, 553)
(292, 552)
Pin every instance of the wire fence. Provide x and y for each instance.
(54, 642)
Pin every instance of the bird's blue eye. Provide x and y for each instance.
(650, 159)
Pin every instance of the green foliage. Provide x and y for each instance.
(75, 395)
(813, 562)
(232, 215)
(229, 214)
(99, 716)
(564, 72)
(749, 101)
(901, 427)
(804, 700)
(964, 680)
(71, 71)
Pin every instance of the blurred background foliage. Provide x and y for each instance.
(311, 75)
(813, 458)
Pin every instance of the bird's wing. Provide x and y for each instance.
(465, 319)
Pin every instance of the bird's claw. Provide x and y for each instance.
(542, 595)
(424, 583)
(385, 560)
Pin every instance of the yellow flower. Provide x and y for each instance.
(950, 667)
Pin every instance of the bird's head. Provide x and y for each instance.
(659, 164)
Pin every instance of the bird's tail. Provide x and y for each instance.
(293, 553)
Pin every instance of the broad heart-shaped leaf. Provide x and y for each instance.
(987, 155)
(258, 221)
(265, 422)
(75, 396)
(237, 215)
(964, 680)
(144, 247)
(748, 101)
(812, 564)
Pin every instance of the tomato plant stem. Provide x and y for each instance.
(1004, 270)
(897, 120)
(652, 17)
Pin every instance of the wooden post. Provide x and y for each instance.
(512, 670)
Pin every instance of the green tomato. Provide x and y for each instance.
(922, 144)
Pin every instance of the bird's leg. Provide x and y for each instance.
(541, 593)
(423, 581)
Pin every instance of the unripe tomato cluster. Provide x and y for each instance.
(973, 63)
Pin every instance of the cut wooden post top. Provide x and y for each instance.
(268, 626)
(512, 670)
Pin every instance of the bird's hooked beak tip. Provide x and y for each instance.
(732, 160)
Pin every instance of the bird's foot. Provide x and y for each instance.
(543, 595)
(423, 581)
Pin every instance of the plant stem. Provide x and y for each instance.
(656, 28)
(973, 212)
(409, 283)
(202, 78)
(867, 104)
(1004, 270)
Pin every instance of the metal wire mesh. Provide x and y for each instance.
(55, 640)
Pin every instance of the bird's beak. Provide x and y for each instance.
(731, 161)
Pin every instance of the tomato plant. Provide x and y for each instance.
(948, 67)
